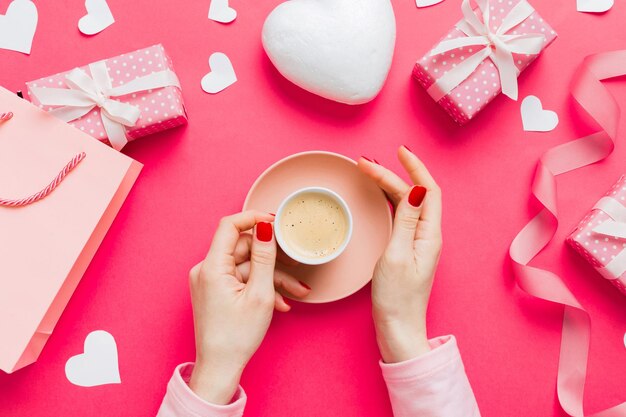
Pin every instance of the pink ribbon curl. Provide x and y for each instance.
(596, 100)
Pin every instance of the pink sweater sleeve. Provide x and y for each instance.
(181, 401)
(431, 385)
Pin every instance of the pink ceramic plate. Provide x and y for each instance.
(370, 210)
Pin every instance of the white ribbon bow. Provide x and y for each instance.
(497, 45)
(86, 92)
(614, 227)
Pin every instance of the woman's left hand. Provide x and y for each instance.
(233, 295)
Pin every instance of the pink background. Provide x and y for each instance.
(321, 360)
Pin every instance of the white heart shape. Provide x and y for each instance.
(535, 118)
(339, 49)
(593, 6)
(98, 17)
(98, 365)
(426, 3)
(18, 25)
(221, 76)
(220, 11)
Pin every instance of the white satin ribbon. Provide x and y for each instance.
(497, 45)
(85, 92)
(615, 227)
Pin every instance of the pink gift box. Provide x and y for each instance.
(160, 108)
(600, 237)
(469, 97)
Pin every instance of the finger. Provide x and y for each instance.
(242, 249)
(280, 304)
(290, 285)
(282, 281)
(262, 261)
(407, 218)
(432, 206)
(390, 183)
(230, 228)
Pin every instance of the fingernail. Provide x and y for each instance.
(304, 285)
(366, 158)
(407, 148)
(272, 214)
(417, 195)
(264, 231)
(376, 161)
(285, 301)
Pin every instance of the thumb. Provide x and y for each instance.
(262, 261)
(407, 217)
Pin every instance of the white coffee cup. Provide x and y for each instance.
(292, 252)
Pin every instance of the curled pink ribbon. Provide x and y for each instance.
(595, 99)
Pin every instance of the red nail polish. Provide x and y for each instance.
(366, 158)
(285, 301)
(376, 161)
(264, 231)
(272, 214)
(417, 195)
(304, 285)
(407, 148)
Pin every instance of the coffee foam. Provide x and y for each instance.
(314, 225)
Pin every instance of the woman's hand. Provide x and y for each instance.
(404, 273)
(233, 296)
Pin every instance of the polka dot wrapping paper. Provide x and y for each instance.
(483, 85)
(161, 108)
(597, 248)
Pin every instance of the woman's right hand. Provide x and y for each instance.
(233, 292)
(404, 273)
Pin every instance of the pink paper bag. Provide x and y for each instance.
(46, 246)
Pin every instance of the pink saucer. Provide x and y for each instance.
(368, 204)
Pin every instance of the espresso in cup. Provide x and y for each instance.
(313, 225)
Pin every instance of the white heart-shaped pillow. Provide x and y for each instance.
(338, 49)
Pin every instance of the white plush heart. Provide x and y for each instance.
(220, 11)
(221, 76)
(535, 118)
(18, 25)
(426, 3)
(98, 17)
(338, 49)
(98, 365)
(593, 6)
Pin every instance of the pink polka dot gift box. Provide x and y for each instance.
(116, 100)
(600, 237)
(483, 55)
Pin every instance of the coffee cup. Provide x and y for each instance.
(313, 225)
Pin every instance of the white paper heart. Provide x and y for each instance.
(535, 118)
(593, 6)
(98, 17)
(98, 365)
(18, 25)
(426, 3)
(220, 11)
(339, 49)
(221, 76)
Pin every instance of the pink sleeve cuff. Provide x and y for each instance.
(431, 385)
(181, 401)
(443, 351)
